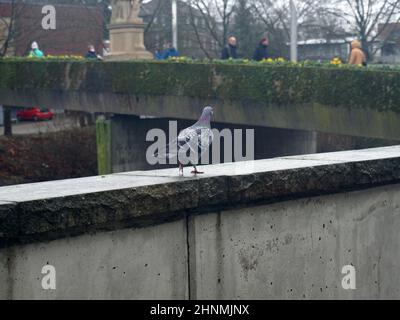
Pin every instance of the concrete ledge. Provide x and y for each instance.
(57, 209)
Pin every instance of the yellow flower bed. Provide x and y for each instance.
(270, 60)
(64, 57)
(336, 62)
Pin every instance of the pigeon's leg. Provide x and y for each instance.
(180, 168)
(195, 171)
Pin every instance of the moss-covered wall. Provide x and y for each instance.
(103, 139)
(269, 84)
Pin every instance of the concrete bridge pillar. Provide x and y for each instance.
(7, 120)
(122, 145)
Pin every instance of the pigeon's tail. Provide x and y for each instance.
(165, 156)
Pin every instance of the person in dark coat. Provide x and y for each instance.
(261, 51)
(167, 53)
(171, 52)
(91, 54)
(230, 51)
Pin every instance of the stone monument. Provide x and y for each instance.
(127, 31)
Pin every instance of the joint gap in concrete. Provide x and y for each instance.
(188, 256)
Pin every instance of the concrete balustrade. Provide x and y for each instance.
(277, 228)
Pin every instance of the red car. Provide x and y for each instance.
(35, 114)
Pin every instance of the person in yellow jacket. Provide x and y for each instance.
(357, 56)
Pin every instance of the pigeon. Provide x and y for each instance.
(194, 140)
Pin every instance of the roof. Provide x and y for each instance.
(326, 41)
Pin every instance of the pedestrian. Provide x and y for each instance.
(158, 55)
(261, 52)
(91, 54)
(35, 52)
(171, 52)
(357, 56)
(230, 50)
(167, 53)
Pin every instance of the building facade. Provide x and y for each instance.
(324, 50)
(389, 35)
(77, 26)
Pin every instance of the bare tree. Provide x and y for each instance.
(275, 16)
(217, 16)
(197, 33)
(364, 16)
(8, 26)
(154, 15)
(247, 28)
(320, 24)
(6, 42)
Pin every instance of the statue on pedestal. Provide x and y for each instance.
(125, 11)
(127, 31)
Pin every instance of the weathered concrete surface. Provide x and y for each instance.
(4, 277)
(149, 263)
(279, 228)
(8, 219)
(76, 206)
(289, 250)
(297, 249)
(71, 207)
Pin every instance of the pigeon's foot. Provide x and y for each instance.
(196, 172)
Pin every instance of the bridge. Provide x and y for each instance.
(353, 101)
(274, 228)
(270, 229)
(286, 104)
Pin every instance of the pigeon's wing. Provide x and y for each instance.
(191, 141)
(194, 142)
(187, 139)
(206, 137)
(184, 141)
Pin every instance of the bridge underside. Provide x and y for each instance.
(361, 122)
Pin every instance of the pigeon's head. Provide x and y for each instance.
(206, 115)
(208, 111)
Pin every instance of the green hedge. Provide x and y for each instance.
(279, 84)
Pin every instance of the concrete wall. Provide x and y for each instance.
(290, 250)
(128, 264)
(297, 249)
(269, 229)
